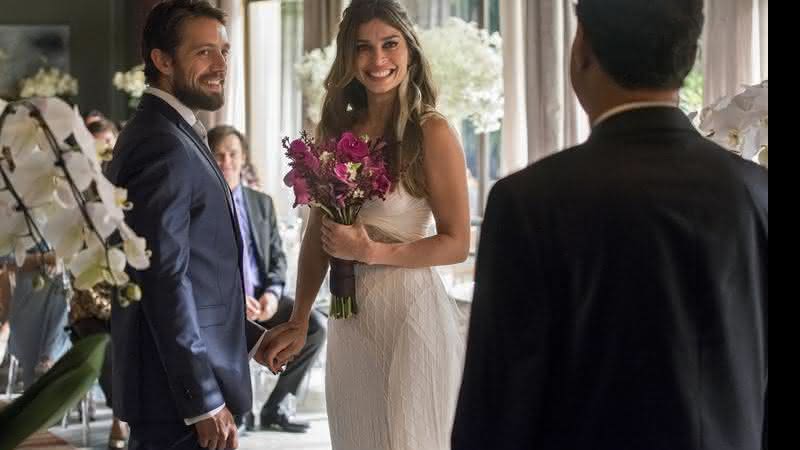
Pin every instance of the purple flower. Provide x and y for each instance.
(301, 192)
(381, 185)
(301, 154)
(291, 177)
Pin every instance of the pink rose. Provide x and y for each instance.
(351, 148)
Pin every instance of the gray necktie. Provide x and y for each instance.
(200, 129)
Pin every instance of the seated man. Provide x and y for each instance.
(264, 269)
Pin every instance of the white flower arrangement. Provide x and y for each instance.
(54, 196)
(311, 72)
(466, 64)
(132, 83)
(740, 122)
(49, 83)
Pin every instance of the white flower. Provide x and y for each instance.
(52, 204)
(135, 248)
(20, 132)
(95, 264)
(65, 231)
(48, 83)
(740, 123)
(131, 82)
(311, 72)
(467, 66)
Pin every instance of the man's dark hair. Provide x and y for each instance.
(163, 28)
(643, 44)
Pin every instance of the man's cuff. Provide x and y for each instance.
(257, 346)
(276, 289)
(205, 416)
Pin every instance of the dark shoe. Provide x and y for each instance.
(282, 422)
(244, 423)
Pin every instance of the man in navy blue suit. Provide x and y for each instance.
(181, 369)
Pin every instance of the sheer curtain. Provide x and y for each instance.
(735, 46)
(266, 99)
(542, 114)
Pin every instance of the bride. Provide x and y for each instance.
(392, 370)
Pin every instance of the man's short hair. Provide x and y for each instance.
(643, 44)
(163, 28)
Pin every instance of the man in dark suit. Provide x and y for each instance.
(621, 285)
(181, 354)
(264, 267)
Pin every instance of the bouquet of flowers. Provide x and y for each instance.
(338, 176)
(132, 83)
(49, 83)
(740, 122)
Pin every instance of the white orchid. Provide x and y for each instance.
(96, 264)
(58, 195)
(740, 122)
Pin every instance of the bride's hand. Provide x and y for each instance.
(347, 242)
(281, 344)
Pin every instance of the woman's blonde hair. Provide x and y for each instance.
(346, 98)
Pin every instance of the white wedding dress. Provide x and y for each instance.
(394, 369)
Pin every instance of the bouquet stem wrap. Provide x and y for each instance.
(343, 289)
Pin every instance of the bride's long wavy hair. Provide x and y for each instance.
(346, 98)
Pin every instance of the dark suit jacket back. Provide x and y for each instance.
(182, 350)
(621, 298)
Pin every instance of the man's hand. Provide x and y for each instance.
(269, 306)
(282, 344)
(253, 308)
(218, 432)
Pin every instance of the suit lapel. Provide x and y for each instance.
(173, 116)
(255, 213)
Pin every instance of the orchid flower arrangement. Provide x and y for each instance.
(54, 196)
(739, 122)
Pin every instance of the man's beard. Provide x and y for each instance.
(194, 97)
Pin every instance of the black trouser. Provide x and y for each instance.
(289, 381)
(87, 327)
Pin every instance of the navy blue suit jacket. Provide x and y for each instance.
(183, 350)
